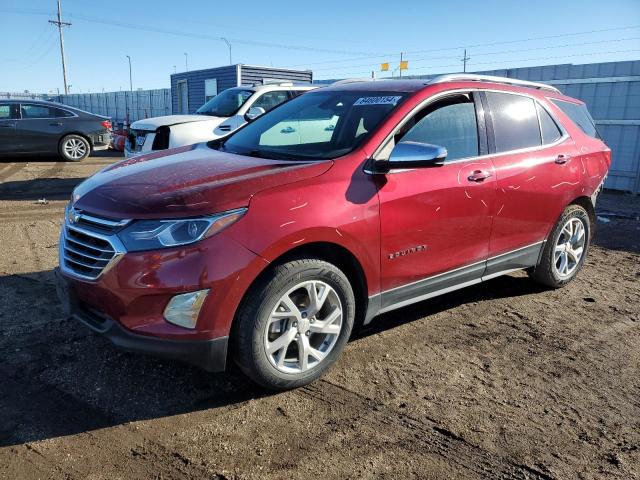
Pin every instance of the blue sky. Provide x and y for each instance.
(335, 39)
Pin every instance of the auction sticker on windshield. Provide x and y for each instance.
(388, 100)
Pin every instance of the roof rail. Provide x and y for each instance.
(352, 80)
(471, 77)
(274, 82)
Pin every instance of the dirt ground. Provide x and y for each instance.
(500, 380)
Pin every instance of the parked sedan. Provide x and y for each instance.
(35, 126)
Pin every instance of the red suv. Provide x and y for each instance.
(267, 246)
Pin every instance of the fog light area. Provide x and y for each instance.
(183, 309)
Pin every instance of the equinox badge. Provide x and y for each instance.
(402, 253)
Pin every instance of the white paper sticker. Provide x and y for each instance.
(377, 100)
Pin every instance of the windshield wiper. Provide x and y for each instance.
(260, 154)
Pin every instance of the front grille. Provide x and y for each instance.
(85, 254)
(89, 244)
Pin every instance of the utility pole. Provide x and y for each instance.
(228, 45)
(59, 23)
(186, 62)
(400, 65)
(465, 59)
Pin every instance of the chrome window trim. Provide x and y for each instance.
(438, 96)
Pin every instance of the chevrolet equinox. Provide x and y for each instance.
(269, 245)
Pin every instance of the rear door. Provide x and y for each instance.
(41, 127)
(535, 167)
(8, 115)
(435, 222)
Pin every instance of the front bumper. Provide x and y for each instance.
(208, 354)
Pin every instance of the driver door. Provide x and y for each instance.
(435, 222)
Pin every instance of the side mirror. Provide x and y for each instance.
(253, 113)
(416, 155)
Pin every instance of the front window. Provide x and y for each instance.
(226, 104)
(271, 100)
(449, 123)
(319, 125)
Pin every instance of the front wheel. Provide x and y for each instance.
(74, 148)
(566, 248)
(294, 324)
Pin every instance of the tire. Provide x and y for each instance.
(74, 148)
(266, 320)
(558, 265)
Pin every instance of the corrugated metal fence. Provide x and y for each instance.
(138, 104)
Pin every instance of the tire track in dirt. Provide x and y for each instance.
(33, 184)
(44, 213)
(10, 170)
(60, 414)
(425, 433)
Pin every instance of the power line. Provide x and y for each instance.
(201, 36)
(445, 57)
(491, 44)
(35, 60)
(507, 61)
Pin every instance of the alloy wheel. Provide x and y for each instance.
(569, 247)
(303, 327)
(75, 148)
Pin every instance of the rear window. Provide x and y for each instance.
(579, 114)
(515, 121)
(58, 112)
(550, 131)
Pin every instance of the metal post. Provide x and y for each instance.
(186, 63)
(59, 23)
(228, 45)
(400, 69)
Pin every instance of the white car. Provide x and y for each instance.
(221, 115)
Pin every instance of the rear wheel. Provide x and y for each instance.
(565, 251)
(74, 148)
(294, 324)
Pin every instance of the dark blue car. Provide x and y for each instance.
(39, 127)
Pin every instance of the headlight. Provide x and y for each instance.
(154, 234)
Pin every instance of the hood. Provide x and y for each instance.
(185, 181)
(154, 123)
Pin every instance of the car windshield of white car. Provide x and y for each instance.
(225, 104)
(315, 126)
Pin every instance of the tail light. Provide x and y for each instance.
(106, 124)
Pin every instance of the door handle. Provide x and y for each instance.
(562, 159)
(7, 125)
(56, 124)
(479, 176)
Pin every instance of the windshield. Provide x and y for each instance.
(225, 104)
(318, 125)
